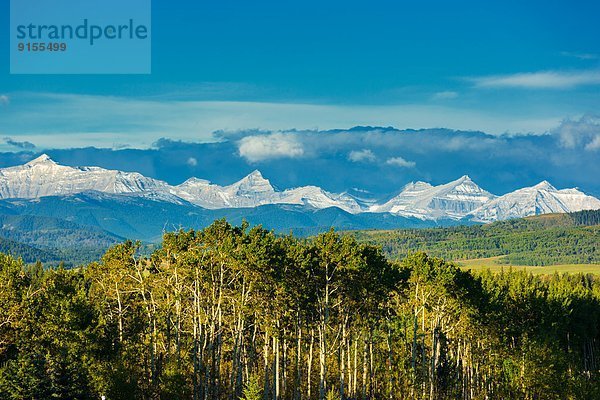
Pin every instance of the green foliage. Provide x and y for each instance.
(332, 395)
(586, 218)
(46, 357)
(52, 240)
(543, 240)
(252, 389)
(28, 254)
(238, 313)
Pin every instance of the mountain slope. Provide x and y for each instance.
(44, 177)
(136, 217)
(29, 254)
(316, 197)
(51, 232)
(452, 200)
(51, 240)
(542, 198)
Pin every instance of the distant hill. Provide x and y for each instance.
(541, 240)
(52, 240)
(49, 232)
(29, 254)
(79, 228)
(146, 219)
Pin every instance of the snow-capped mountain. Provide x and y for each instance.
(542, 198)
(44, 177)
(363, 197)
(452, 200)
(316, 197)
(254, 190)
(456, 200)
(251, 191)
(201, 192)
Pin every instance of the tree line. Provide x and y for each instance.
(240, 313)
(542, 240)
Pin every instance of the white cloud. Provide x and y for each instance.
(192, 162)
(584, 132)
(540, 80)
(594, 144)
(364, 155)
(264, 147)
(445, 95)
(53, 120)
(4, 99)
(400, 162)
(581, 56)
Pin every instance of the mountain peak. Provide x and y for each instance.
(255, 177)
(195, 181)
(416, 186)
(43, 159)
(256, 174)
(451, 200)
(464, 184)
(544, 185)
(462, 179)
(252, 183)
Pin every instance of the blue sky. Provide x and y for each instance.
(509, 67)
(346, 51)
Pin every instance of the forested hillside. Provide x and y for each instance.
(52, 240)
(29, 254)
(232, 312)
(146, 219)
(541, 240)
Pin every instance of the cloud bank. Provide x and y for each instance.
(380, 160)
(583, 133)
(53, 120)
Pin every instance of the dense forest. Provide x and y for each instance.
(238, 313)
(26, 252)
(541, 240)
(52, 241)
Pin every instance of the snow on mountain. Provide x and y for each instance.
(576, 200)
(316, 197)
(44, 177)
(203, 193)
(251, 191)
(251, 185)
(455, 200)
(542, 198)
(254, 190)
(451, 200)
(363, 198)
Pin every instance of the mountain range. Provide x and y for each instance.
(59, 209)
(455, 200)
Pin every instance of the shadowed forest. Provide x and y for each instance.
(241, 313)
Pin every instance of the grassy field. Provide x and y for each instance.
(493, 264)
